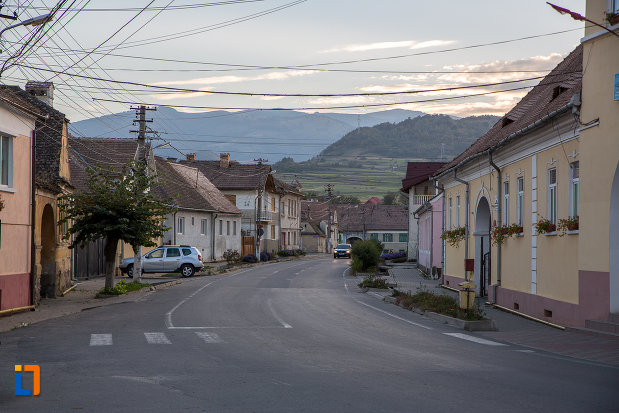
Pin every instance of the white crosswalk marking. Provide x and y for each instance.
(100, 339)
(475, 339)
(157, 338)
(209, 338)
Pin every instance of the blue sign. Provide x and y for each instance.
(616, 86)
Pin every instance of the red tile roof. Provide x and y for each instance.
(353, 218)
(543, 100)
(236, 176)
(418, 172)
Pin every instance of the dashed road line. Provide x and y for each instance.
(156, 338)
(475, 339)
(101, 340)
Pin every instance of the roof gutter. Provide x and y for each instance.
(514, 135)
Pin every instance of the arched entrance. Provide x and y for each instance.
(352, 240)
(614, 244)
(48, 250)
(482, 247)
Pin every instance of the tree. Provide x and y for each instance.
(118, 206)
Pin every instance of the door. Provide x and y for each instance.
(153, 261)
(172, 259)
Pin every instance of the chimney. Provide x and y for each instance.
(44, 91)
(224, 160)
(191, 157)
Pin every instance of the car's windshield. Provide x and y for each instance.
(343, 246)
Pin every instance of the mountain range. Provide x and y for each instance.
(246, 135)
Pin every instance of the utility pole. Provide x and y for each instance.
(261, 189)
(141, 119)
(329, 189)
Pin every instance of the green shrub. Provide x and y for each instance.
(364, 255)
(232, 256)
(123, 288)
(373, 282)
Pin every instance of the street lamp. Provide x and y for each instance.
(33, 21)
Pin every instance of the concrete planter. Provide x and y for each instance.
(479, 325)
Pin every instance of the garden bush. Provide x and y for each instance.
(393, 255)
(265, 256)
(365, 255)
(232, 256)
(251, 258)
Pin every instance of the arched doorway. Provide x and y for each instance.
(614, 244)
(48, 250)
(352, 240)
(482, 247)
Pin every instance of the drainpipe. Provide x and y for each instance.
(32, 220)
(438, 191)
(466, 221)
(499, 223)
(213, 229)
(174, 227)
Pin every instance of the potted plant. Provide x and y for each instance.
(515, 230)
(454, 236)
(1, 204)
(544, 226)
(612, 18)
(568, 224)
(499, 233)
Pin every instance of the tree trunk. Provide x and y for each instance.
(137, 264)
(110, 261)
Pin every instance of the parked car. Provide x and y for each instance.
(342, 250)
(168, 258)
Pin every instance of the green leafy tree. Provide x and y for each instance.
(365, 254)
(118, 206)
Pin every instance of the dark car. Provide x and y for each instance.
(342, 250)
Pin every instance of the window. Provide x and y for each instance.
(221, 227)
(294, 237)
(6, 161)
(614, 6)
(203, 226)
(505, 203)
(552, 196)
(186, 251)
(227, 227)
(233, 227)
(272, 231)
(173, 252)
(388, 237)
(192, 222)
(289, 238)
(449, 216)
(64, 226)
(574, 179)
(181, 225)
(403, 237)
(158, 253)
(520, 202)
(458, 211)
(374, 236)
(272, 204)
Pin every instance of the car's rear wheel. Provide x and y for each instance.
(130, 271)
(187, 270)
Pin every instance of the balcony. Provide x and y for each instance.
(421, 199)
(250, 215)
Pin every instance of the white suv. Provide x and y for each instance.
(168, 258)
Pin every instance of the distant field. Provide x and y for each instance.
(378, 177)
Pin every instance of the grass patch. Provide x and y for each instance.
(123, 287)
(441, 304)
(373, 282)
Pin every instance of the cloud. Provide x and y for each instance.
(410, 44)
(216, 80)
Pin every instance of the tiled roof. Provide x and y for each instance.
(314, 229)
(236, 176)
(374, 201)
(48, 136)
(352, 218)
(282, 187)
(418, 172)
(85, 153)
(195, 183)
(553, 93)
(315, 211)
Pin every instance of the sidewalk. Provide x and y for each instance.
(515, 329)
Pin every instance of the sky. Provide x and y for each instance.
(315, 47)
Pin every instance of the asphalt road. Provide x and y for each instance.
(286, 337)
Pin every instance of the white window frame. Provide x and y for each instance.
(9, 161)
(181, 225)
(458, 211)
(575, 187)
(449, 216)
(520, 201)
(203, 226)
(551, 201)
(221, 227)
(506, 203)
(227, 227)
(234, 228)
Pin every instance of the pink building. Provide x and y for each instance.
(430, 227)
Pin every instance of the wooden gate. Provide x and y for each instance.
(248, 246)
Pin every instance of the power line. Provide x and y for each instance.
(154, 8)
